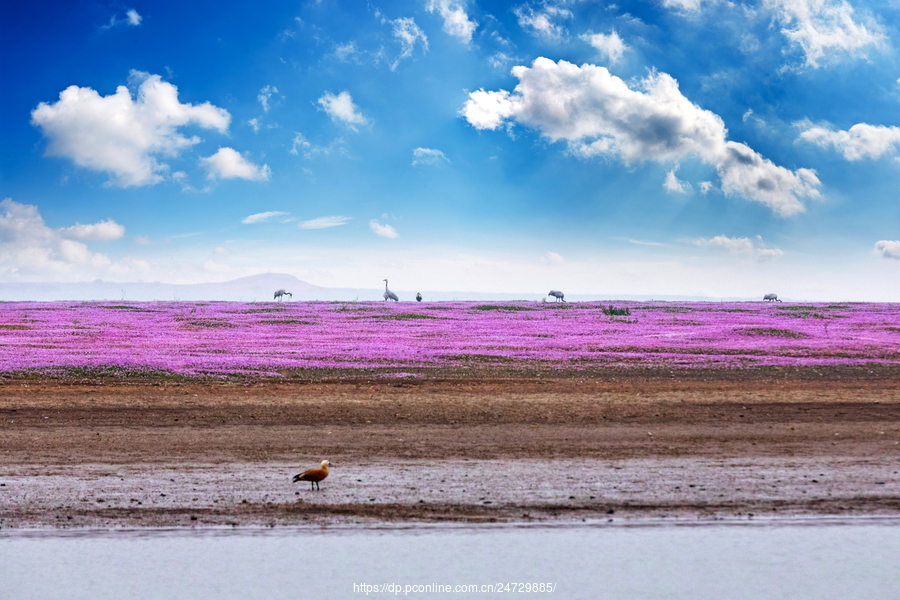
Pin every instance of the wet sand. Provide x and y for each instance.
(119, 455)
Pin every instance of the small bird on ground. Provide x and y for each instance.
(313, 476)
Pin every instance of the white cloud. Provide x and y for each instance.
(28, 246)
(120, 135)
(101, 231)
(707, 187)
(383, 230)
(610, 45)
(428, 156)
(341, 108)
(456, 21)
(324, 222)
(888, 249)
(541, 22)
(685, 6)
(673, 185)
(228, 163)
(860, 141)
(408, 34)
(131, 18)
(142, 240)
(345, 52)
(596, 113)
(742, 245)
(254, 123)
(824, 28)
(499, 60)
(301, 144)
(264, 216)
(555, 258)
(265, 94)
(134, 19)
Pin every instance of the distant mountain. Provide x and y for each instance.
(261, 288)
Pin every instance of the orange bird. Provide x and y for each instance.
(313, 476)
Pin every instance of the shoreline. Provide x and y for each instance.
(558, 451)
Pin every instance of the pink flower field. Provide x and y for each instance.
(366, 339)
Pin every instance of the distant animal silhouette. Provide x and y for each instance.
(418, 297)
(388, 294)
(558, 295)
(280, 294)
(771, 298)
(313, 476)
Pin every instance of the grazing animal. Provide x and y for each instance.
(771, 298)
(388, 294)
(313, 476)
(280, 294)
(418, 297)
(558, 295)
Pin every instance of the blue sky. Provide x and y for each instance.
(685, 147)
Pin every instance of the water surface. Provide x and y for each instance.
(816, 560)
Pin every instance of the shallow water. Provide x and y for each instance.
(815, 559)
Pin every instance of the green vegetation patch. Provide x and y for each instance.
(406, 317)
(126, 307)
(502, 307)
(19, 327)
(773, 332)
(286, 322)
(209, 323)
(612, 311)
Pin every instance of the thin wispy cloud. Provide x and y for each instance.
(324, 222)
(428, 156)
(742, 245)
(264, 217)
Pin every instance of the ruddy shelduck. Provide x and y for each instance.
(314, 476)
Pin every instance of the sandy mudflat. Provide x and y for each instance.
(202, 454)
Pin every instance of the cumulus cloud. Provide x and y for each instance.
(264, 216)
(888, 249)
(610, 45)
(428, 156)
(860, 141)
(101, 231)
(408, 34)
(265, 94)
(597, 114)
(823, 29)
(383, 230)
(456, 21)
(542, 21)
(124, 136)
(228, 163)
(342, 109)
(673, 185)
(29, 246)
(742, 245)
(134, 19)
(324, 222)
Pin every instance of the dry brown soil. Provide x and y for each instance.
(215, 454)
